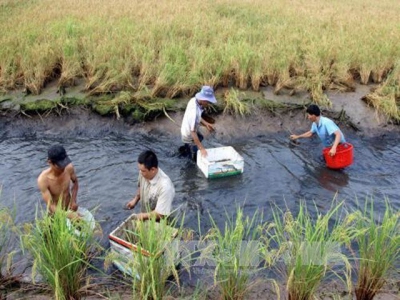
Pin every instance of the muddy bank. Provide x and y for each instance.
(260, 289)
(73, 111)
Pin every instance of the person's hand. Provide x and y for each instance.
(294, 137)
(210, 127)
(131, 204)
(203, 152)
(73, 206)
(73, 216)
(332, 152)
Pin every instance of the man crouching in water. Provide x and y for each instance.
(54, 182)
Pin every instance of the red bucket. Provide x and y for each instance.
(343, 157)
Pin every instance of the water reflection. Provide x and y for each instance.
(332, 180)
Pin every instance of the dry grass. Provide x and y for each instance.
(174, 47)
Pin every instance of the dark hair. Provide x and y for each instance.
(313, 110)
(149, 159)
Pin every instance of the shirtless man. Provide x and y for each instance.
(54, 182)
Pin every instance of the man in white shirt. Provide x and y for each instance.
(192, 120)
(155, 189)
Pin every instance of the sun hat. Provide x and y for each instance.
(206, 93)
(57, 155)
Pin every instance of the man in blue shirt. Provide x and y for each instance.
(326, 129)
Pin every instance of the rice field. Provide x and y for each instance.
(170, 48)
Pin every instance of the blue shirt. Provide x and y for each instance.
(325, 130)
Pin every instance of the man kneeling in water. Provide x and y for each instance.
(55, 182)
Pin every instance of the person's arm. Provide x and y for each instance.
(210, 127)
(197, 142)
(336, 142)
(131, 204)
(307, 134)
(74, 191)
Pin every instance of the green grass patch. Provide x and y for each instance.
(378, 247)
(7, 230)
(235, 252)
(60, 255)
(309, 247)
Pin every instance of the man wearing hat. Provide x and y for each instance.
(55, 182)
(192, 120)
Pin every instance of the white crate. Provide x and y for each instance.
(124, 251)
(220, 162)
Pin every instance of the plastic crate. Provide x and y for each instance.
(123, 245)
(220, 162)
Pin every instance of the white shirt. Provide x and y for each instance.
(156, 194)
(191, 120)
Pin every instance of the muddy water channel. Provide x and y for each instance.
(275, 172)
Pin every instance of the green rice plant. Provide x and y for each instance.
(6, 255)
(309, 247)
(153, 259)
(235, 253)
(61, 255)
(379, 249)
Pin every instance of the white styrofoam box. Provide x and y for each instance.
(220, 162)
(125, 251)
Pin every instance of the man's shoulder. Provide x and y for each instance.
(192, 103)
(328, 122)
(70, 168)
(326, 119)
(42, 178)
(162, 174)
(164, 178)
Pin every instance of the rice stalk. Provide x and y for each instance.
(386, 98)
(7, 236)
(233, 103)
(119, 46)
(236, 254)
(60, 255)
(378, 244)
(309, 248)
(154, 257)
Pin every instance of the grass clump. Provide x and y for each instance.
(60, 255)
(309, 248)
(386, 98)
(6, 255)
(235, 253)
(379, 249)
(235, 105)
